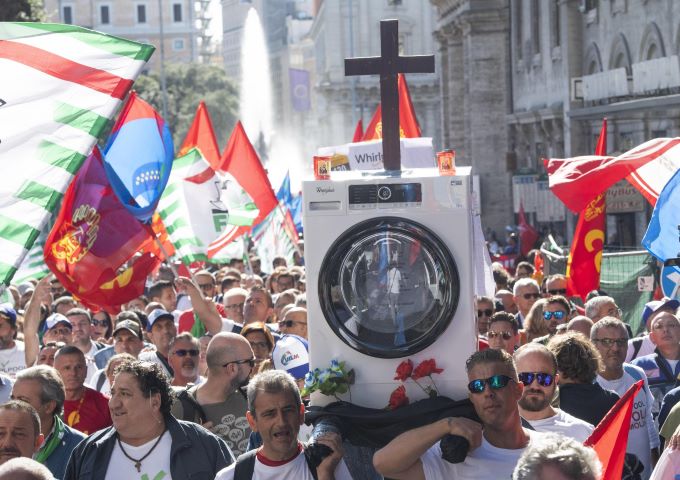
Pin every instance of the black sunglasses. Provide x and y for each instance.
(495, 383)
(289, 323)
(560, 291)
(99, 323)
(183, 353)
(528, 296)
(505, 335)
(488, 312)
(543, 379)
(249, 361)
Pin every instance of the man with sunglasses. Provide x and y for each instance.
(183, 359)
(555, 285)
(294, 322)
(537, 370)
(219, 404)
(555, 312)
(611, 339)
(525, 293)
(495, 446)
(503, 332)
(485, 309)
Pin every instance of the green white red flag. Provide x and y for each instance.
(199, 206)
(61, 85)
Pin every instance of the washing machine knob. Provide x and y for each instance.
(384, 193)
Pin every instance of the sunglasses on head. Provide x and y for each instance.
(543, 379)
(559, 291)
(505, 335)
(528, 296)
(183, 353)
(559, 315)
(495, 383)
(488, 312)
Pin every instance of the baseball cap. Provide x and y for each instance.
(7, 310)
(157, 315)
(656, 305)
(129, 325)
(55, 319)
(291, 354)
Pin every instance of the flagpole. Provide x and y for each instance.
(283, 213)
(172, 265)
(249, 266)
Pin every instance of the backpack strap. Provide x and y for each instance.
(637, 345)
(245, 466)
(100, 381)
(190, 406)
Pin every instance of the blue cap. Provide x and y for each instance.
(157, 315)
(8, 310)
(670, 305)
(291, 354)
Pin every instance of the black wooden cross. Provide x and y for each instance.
(388, 65)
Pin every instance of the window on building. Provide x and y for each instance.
(178, 44)
(177, 12)
(555, 23)
(536, 26)
(104, 15)
(141, 13)
(67, 14)
(517, 14)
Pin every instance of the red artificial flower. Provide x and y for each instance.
(425, 369)
(404, 370)
(398, 398)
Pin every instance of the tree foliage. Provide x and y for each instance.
(21, 11)
(187, 85)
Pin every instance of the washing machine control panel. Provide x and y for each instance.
(385, 195)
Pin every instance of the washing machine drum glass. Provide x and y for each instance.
(388, 287)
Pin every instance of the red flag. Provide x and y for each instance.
(408, 123)
(202, 135)
(527, 234)
(358, 132)
(610, 437)
(585, 257)
(241, 161)
(94, 235)
(570, 178)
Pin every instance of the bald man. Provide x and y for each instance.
(294, 322)
(219, 404)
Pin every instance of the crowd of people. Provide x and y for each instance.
(192, 380)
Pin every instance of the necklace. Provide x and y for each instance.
(138, 461)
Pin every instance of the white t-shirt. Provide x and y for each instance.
(643, 435)
(151, 356)
(563, 423)
(486, 461)
(296, 469)
(106, 386)
(89, 360)
(12, 360)
(155, 466)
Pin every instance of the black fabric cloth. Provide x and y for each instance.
(195, 453)
(375, 428)
(589, 402)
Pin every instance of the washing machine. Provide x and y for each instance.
(389, 266)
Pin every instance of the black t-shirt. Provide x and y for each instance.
(589, 402)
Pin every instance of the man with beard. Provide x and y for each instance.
(495, 445)
(611, 339)
(219, 404)
(162, 331)
(19, 430)
(537, 370)
(183, 358)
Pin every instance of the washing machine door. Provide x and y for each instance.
(388, 287)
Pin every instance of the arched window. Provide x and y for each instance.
(620, 54)
(593, 60)
(652, 44)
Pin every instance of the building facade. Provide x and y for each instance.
(472, 38)
(180, 26)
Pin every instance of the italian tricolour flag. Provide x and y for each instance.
(60, 86)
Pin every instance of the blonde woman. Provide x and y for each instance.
(534, 324)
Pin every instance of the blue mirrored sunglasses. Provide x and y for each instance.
(543, 379)
(559, 315)
(495, 383)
